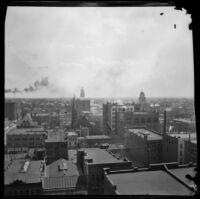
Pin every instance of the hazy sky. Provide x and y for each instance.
(111, 52)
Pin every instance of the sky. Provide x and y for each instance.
(110, 52)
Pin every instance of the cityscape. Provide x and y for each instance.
(92, 125)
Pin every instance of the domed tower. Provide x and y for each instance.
(142, 101)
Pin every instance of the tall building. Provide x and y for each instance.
(10, 110)
(142, 102)
(82, 94)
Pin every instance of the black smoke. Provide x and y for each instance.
(32, 88)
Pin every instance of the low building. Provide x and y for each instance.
(56, 146)
(153, 181)
(62, 177)
(19, 140)
(143, 145)
(92, 161)
(72, 140)
(23, 177)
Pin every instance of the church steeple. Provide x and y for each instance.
(82, 93)
(74, 113)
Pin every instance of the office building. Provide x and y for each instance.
(56, 146)
(144, 146)
(19, 140)
(183, 125)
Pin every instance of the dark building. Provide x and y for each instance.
(11, 110)
(144, 146)
(155, 180)
(56, 146)
(92, 161)
(23, 177)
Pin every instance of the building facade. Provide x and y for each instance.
(144, 146)
(11, 110)
(19, 140)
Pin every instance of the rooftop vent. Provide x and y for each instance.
(25, 167)
(62, 166)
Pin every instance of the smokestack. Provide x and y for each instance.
(164, 127)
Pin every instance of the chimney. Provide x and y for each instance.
(164, 127)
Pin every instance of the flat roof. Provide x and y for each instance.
(72, 133)
(97, 137)
(181, 172)
(33, 174)
(184, 136)
(184, 120)
(100, 156)
(143, 131)
(25, 131)
(148, 182)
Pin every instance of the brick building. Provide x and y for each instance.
(93, 160)
(143, 145)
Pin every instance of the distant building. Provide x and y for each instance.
(26, 122)
(19, 140)
(56, 146)
(183, 125)
(155, 180)
(93, 160)
(72, 140)
(82, 93)
(96, 140)
(110, 111)
(11, 110)
(142, 102)
(23, 178)
(149, 120)
(62, 177)
(144, 146)
(82, 104)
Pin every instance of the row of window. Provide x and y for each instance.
(24, 192)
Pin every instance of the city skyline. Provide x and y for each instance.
(110, 52)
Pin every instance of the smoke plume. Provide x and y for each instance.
(32, 88)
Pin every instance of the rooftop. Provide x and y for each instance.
(185, 136)
(14, 173)
(142, 132)
(148, 182)
(181, 172)
(97, 137)
(184, 120)
(56, 135)
(72, 133)
(25, 131)
(100, 156)
(61, 174)
(53, 170)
